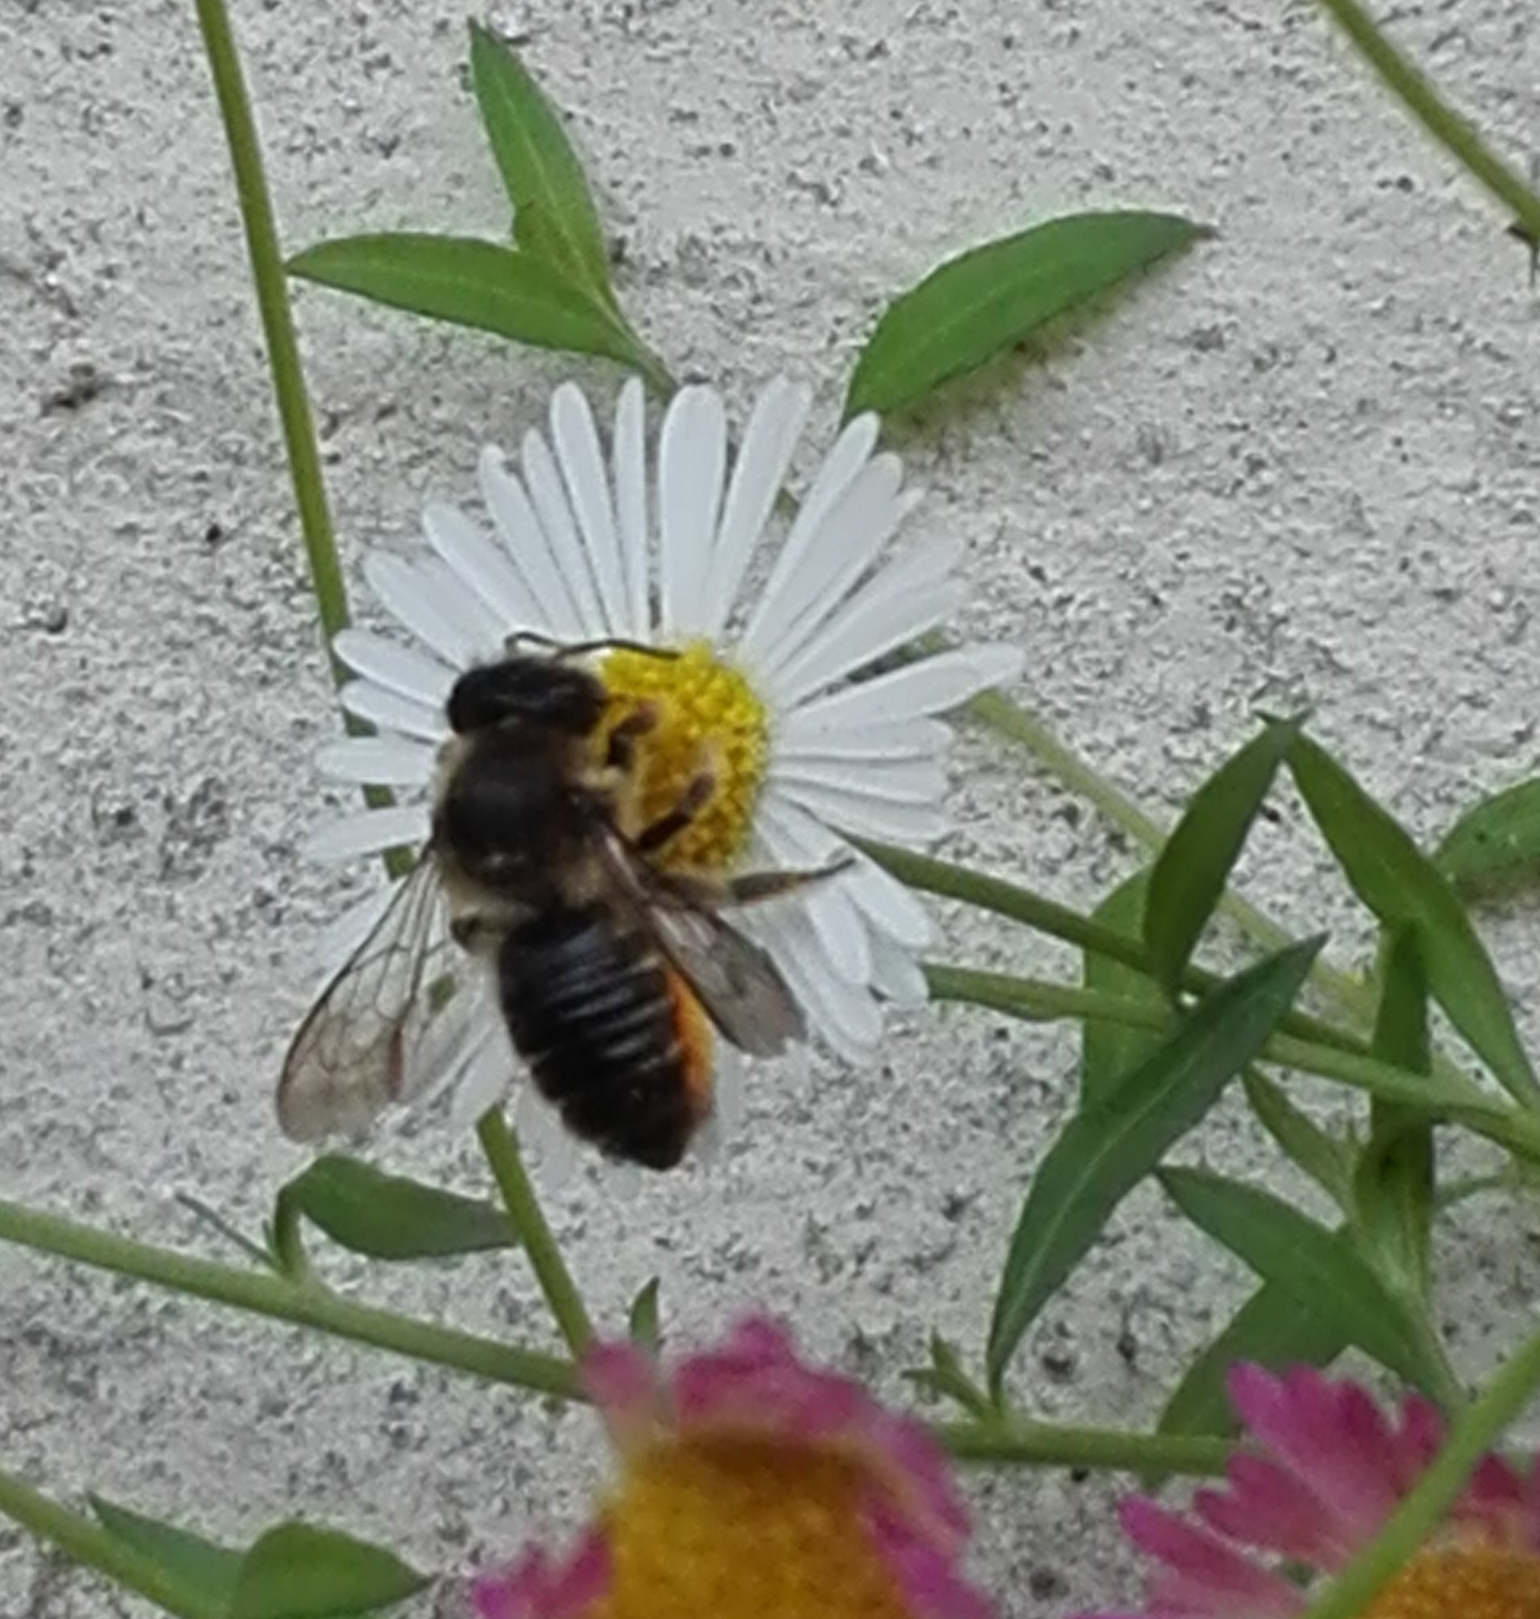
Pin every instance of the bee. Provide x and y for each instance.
(601, 958)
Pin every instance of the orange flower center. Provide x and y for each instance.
(744, 1529)
(1475, 1580)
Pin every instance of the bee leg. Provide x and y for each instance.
(750, 888)
(696, 796)
(621, 752)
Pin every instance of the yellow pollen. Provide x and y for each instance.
(708, 719)
(743, 1529)
(1472, 1580)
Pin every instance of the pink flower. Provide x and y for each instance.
(1327, 1469)
(752, 1486)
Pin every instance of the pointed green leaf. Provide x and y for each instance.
(299, 1572)
(1320, 1269)
(1271, 1329)
(540, 170)
(1108, 1148)
(202, 1565)
(1110, 1051)
(946, 1378)
(1195, 863)
(389, 1216)
(1326, 1160)
(1393, 1186)
(472, 283)
(1494, 847)
(977, 305)
(643, 1326)
(1405, 889)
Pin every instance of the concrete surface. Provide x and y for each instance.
(1302, 466)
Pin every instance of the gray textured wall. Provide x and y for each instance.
(1302, 466)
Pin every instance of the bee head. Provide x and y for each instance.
(538, 692)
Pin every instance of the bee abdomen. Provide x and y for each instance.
(589, 1007)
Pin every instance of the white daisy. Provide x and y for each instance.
(778, 626)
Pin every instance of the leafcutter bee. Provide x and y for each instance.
(601, 957)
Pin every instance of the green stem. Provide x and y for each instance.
(501, 1147)
(1020, 1442)
(277, 320)
(307, 1304)
(1472, 1435)
(1038, 1001)
(1446, 126)
(88, 1543)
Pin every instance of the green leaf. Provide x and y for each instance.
(472, 283)
(389, 1216)
(1393, 1186)
(1195, 863)
(1326, 1160)
(540, 170)
(1320, 1269)
(1405, 889)
(202, 1565)
(1495, 845)
(642, 1324)
(299, 1572)
(1271, 1329)
(977, 305)
(1109, 1147)
(1109, 1051)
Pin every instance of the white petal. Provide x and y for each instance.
(588, 489)
(890, 739)
(341, 937)
(890, 907)
(383, 761)
(631, 502)
(904, 781)
(489, 1073)
(867, 815)
(411, 595)
(840, 469)
(692, 462)
(904, 601)
(927, 686)
(759, 474)
(399, 669)
(550, 497)
(448, 1046)
(366, 701)
(896, 975)
(484, 570)
(839, 926)
(401, 826)
(855, 530)
(526, 542)
(845, 1015)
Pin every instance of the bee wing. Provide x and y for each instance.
(350, 1057)
(733, 978)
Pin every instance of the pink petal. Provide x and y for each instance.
(536, 1588)
(1420, 1438)
(622, 1381)
(932, 1587)
(1210, 1578)
(1268, 1506)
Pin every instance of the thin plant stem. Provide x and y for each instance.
(89, 1543)
(1475, 1432)
(306, 1303)
(501, 1146)
(1019, 1442)
(1458, 137)
(267, 274)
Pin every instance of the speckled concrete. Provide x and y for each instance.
(1300, 467)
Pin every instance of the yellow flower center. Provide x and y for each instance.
(1473, 1580)
(708, 721)
(743, 1529)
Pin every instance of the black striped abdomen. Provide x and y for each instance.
(591, 1009)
